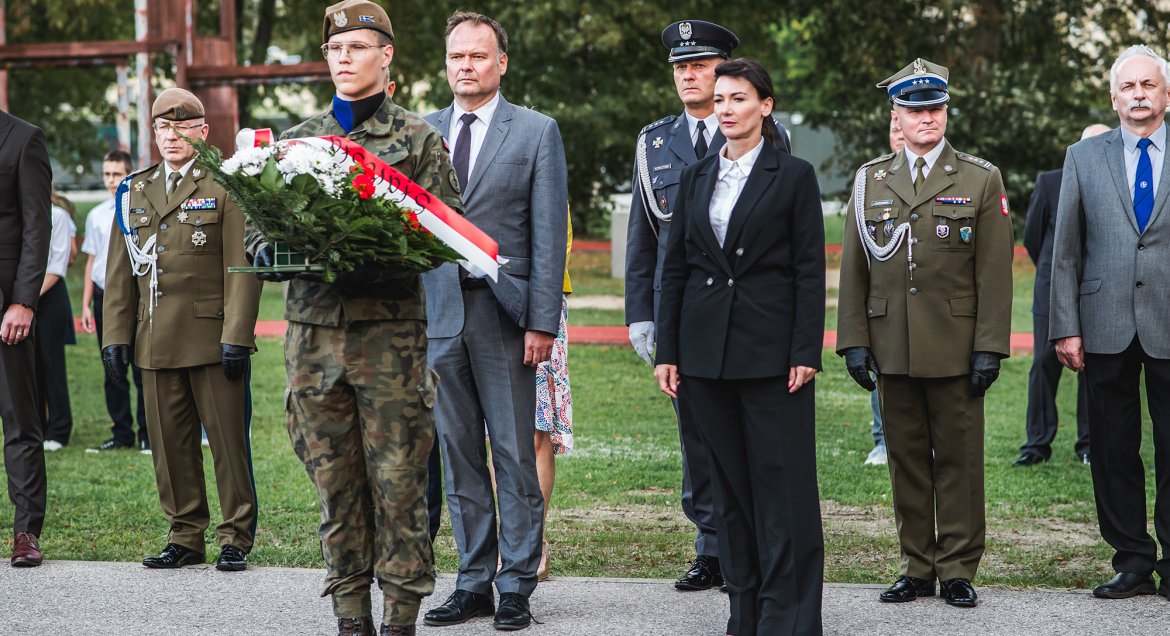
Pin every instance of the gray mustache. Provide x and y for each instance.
(1141, 103)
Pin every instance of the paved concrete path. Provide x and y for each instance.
(70, 597)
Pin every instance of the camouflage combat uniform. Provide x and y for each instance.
(360, 399)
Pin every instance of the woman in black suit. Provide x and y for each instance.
(741, 327)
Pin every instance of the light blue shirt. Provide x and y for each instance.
(1157, 152)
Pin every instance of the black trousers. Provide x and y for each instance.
(1043, 381)
(1119, 483)
(54, 329)
(763, 458)
(434, 492)
(118, 393)
(24, 457)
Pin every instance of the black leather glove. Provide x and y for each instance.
(860, 361)
(235, 361)
(311, 276)
(266, 258)
(116, 360)
(984, 371)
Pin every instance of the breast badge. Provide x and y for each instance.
(199, 239)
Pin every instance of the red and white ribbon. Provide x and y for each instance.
(477, 248)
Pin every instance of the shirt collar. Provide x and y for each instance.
(745, 162)
(183, 169)
(711, 122)
(1157, 138)
(930, 157)
(483, 113)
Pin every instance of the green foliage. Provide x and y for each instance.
(1026, 77)
(340, 232)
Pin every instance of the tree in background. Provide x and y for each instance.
(1026, 77)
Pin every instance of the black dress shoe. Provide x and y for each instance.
(1125, 585)
(907, 588)
(460, 607)
(174, 556)
(512, 614)
(1029, 459)
(363, 626)
(958, 592)
(231, 559)
(703, 575)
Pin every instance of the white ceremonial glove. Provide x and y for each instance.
(642, 337)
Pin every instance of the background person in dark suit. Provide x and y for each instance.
(1110, 291)
(486, 337)
(741, 324)
(1044, 378)
(25, 178)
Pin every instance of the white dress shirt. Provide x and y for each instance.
(98, 225)
(930, 158)
(732, 177)
(1157, 152)
(711, 123)
(479, 128)
(59, 239)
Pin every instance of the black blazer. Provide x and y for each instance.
(756, 306)
(1039, 227)
(25, 225)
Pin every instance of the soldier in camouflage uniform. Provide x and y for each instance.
(360, 399)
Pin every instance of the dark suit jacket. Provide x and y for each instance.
(756, 306)
(25, 222)
(1038, 230)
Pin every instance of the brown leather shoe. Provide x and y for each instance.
(397, 630)
(363, 626)
(26, 552)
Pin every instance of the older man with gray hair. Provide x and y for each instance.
(1110, 290)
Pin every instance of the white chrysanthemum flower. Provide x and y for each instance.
(249, 161)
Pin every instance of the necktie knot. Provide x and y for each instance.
(467, 118)
(173, 180)
(1144, 143)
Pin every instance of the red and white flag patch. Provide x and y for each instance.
(1003, 204)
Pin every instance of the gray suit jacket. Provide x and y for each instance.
(1109, 282)
(518, 194)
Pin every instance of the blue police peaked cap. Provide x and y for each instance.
(693, 39)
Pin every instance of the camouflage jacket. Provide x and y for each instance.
(413, 147)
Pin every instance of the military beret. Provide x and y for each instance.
(693, 39)
(356, 14)
(919, 84)
(176, 104)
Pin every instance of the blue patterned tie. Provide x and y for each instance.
(1143, 186)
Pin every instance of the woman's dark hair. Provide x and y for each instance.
(753, 72)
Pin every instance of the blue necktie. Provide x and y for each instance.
(1143, 186)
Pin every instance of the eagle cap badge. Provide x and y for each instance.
(340, 19)
(684, 30)
(919, 66)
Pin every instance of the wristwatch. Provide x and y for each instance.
(28, 307)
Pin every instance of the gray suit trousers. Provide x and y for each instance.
(482, 378)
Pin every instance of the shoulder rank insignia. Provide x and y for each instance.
(876, 160)
(982, 163)
(208, 203)
(661, 122)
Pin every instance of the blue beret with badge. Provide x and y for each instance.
(920, 84)
(694, 39)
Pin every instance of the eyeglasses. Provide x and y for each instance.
(161, 128)
(354, 49)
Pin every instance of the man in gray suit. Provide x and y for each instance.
(1110, 291)
(487, 337)
(25, 178)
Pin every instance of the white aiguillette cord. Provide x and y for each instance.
(144, 259)
(880, 252)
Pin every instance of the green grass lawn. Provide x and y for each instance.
(615, 511)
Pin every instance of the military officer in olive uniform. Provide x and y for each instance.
(192, 327)
(664, 148)
(925, 302)
(361, 397)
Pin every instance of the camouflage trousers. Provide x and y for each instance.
(360, 417)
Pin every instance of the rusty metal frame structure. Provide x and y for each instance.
(205, 64)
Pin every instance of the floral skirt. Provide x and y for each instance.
(554, 400)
